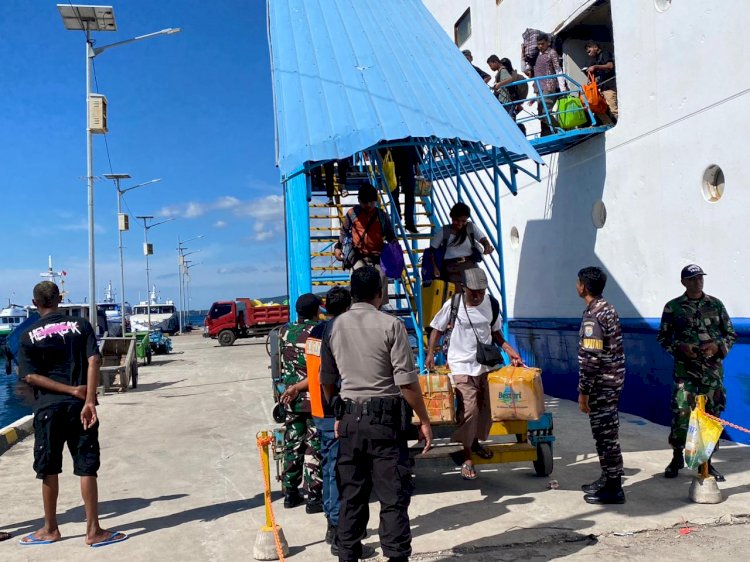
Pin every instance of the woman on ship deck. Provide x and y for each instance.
(461, 245)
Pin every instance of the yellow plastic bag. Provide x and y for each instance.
(389, 171)
(703, 434)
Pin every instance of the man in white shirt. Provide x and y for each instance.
(476, 319)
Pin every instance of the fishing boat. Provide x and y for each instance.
(10, 317)
(113, 310)
(153, 314)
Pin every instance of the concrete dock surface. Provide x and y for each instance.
(181, 476)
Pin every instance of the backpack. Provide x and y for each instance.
(519, 91)
(439, 253)
(455, 303)
(348, 248)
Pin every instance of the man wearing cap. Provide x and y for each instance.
(470, 319)
(301, 443)
(696, 330)
(370, 352)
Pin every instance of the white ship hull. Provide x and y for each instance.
(682, 81)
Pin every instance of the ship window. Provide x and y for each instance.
(599, 214)
(713, 183)
(662, 5)
(462, 28)
(515, 238)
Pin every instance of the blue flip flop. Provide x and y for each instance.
(31, 540)
(116, 537)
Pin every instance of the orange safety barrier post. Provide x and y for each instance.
(270, 543)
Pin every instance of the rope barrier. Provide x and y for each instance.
(727, 423)
(264, 440)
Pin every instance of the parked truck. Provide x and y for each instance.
(242, 318)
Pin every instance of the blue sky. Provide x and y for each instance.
(194, 108)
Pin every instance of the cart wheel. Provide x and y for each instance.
(148, 356)
(544, 463)
(134, 376)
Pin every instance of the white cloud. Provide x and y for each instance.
(267, 209)
(220, 224)
(263, 235)
(82, 226)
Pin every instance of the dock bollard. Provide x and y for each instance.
(270, 543)
(704, 488)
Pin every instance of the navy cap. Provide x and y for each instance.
(307, 306)
(690, 271)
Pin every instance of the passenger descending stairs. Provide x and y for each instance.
(325, 224)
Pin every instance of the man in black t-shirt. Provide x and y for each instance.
(59, 358)
(603, 67)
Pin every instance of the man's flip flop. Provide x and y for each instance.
(482, 452)
(116, 537)
(468, 472)
(30, 539)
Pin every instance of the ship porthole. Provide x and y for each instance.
(713, 183)
(515, 238)
(599, 214)
(662, 5)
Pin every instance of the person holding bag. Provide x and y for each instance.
(457, 246)
(472, 323)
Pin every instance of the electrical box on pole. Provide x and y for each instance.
(148, 249)
(123, 222)
(98, 114)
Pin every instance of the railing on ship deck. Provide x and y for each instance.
(538, 97)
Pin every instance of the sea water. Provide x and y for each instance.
(13, 405)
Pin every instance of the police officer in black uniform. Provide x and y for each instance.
(370, 351)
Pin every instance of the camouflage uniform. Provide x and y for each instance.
(695, 322)
(301, 443)
(601, 363)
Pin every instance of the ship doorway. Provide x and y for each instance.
(593, 24)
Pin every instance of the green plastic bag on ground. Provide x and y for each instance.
(570, 112)
(703, 434)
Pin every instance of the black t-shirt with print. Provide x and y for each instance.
(57, 346)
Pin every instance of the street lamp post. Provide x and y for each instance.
(148, 250)
(188, 267)
(122, 225)
(180, 264)
(88, 19)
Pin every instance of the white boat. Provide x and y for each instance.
(660, 190)
(112, 309)
(158, 312)
(10, 317)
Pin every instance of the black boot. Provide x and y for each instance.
(595, 486)
(292, 498)
(611, 493)
(678, 462)
(367, 550)
(718, 476)
(314, 506)
(330, 533)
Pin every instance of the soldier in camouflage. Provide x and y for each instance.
(696, 330)
(601, 363)
(301, 443)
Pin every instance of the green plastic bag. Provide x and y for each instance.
(570, 112)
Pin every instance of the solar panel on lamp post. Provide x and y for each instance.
(88, 19)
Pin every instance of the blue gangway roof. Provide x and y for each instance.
(350, 74)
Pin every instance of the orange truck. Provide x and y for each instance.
(240, 318)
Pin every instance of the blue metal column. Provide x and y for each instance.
(500, 256)
(296, 209)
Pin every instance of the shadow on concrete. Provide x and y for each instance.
(107, 510)
(151, 386)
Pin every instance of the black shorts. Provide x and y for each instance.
(59, 424)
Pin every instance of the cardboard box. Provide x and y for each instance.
(437, 392)
(516, 393)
